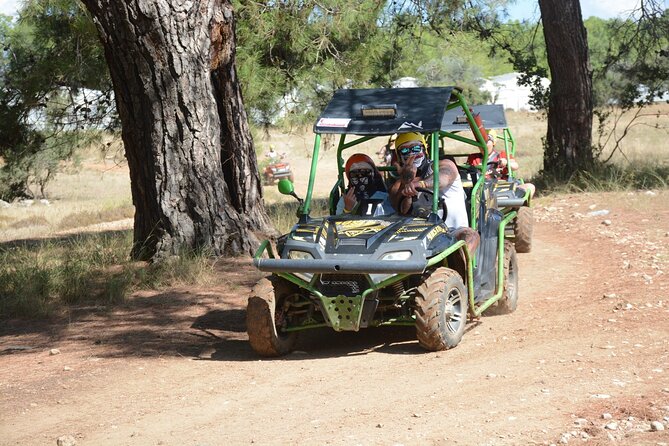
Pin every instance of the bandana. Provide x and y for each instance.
(362, 179)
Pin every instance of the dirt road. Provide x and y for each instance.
(584, 359)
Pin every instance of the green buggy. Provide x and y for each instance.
(349, 272)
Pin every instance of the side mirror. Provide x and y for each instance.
(286, 186)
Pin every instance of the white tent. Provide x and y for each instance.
(504, 89)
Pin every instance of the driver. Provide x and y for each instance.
(365, 186)
(272, 154)
(499, 163)
(415, 171)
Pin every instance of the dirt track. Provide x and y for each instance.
(175, 368)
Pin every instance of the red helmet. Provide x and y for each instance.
(358, 158)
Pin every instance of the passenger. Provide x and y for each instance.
(366, 193)
(499, 163)
(385, 153)
(415, 170)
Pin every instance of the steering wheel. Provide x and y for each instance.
(493, 169)
(430, 193)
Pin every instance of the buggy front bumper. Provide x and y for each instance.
(325, 266)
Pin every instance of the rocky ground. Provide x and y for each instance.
(584, 359)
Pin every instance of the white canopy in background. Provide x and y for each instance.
(504, 89)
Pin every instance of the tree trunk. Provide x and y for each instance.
(193, 170)
(569, 137)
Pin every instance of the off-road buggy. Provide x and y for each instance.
(276, 171)
(508, 188)
(349, 272)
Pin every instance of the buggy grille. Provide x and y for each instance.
(342, 284)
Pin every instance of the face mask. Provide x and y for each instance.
(417, 161)
(362, 180)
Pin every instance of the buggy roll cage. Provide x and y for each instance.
(436, 112)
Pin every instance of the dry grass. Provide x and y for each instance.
(28, 222)
(99, 192)
(643, 145)
(42, 278)
(87, 218)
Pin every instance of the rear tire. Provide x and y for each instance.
(441, 310)
(265, 318)
(509, 300)
(523, 229)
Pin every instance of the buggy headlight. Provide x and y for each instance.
(397, 255)
(299, 255)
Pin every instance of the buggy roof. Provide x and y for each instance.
(492, 116)
(418, 110)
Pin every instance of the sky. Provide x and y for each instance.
(605, 9)
(8, 7)
(522, 9)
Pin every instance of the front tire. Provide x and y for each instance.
(441, 310)
(265, 317)
(523, 229)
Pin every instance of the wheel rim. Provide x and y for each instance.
(453, 310)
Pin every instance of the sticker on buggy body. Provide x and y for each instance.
(333, 122)
(410, 125)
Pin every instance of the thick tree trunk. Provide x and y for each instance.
(193, 171)
(569, 136)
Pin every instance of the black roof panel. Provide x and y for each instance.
(418, 109)
(492, 116)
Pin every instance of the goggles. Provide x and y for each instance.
(410, 150)
(360, 173)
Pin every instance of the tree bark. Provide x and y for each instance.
(568, 146)
(193, 170)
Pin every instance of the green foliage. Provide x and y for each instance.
(41, 279)
(293, 54)
(54, 83)
(443, 71)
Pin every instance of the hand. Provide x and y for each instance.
(407, 172)
(408, 190)
(350, 200)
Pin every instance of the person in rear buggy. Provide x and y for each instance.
(366, 193)
(499, 163)
(411, 192)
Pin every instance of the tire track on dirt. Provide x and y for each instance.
(514, 379)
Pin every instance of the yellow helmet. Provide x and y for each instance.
(492, 135)
(411, 136)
